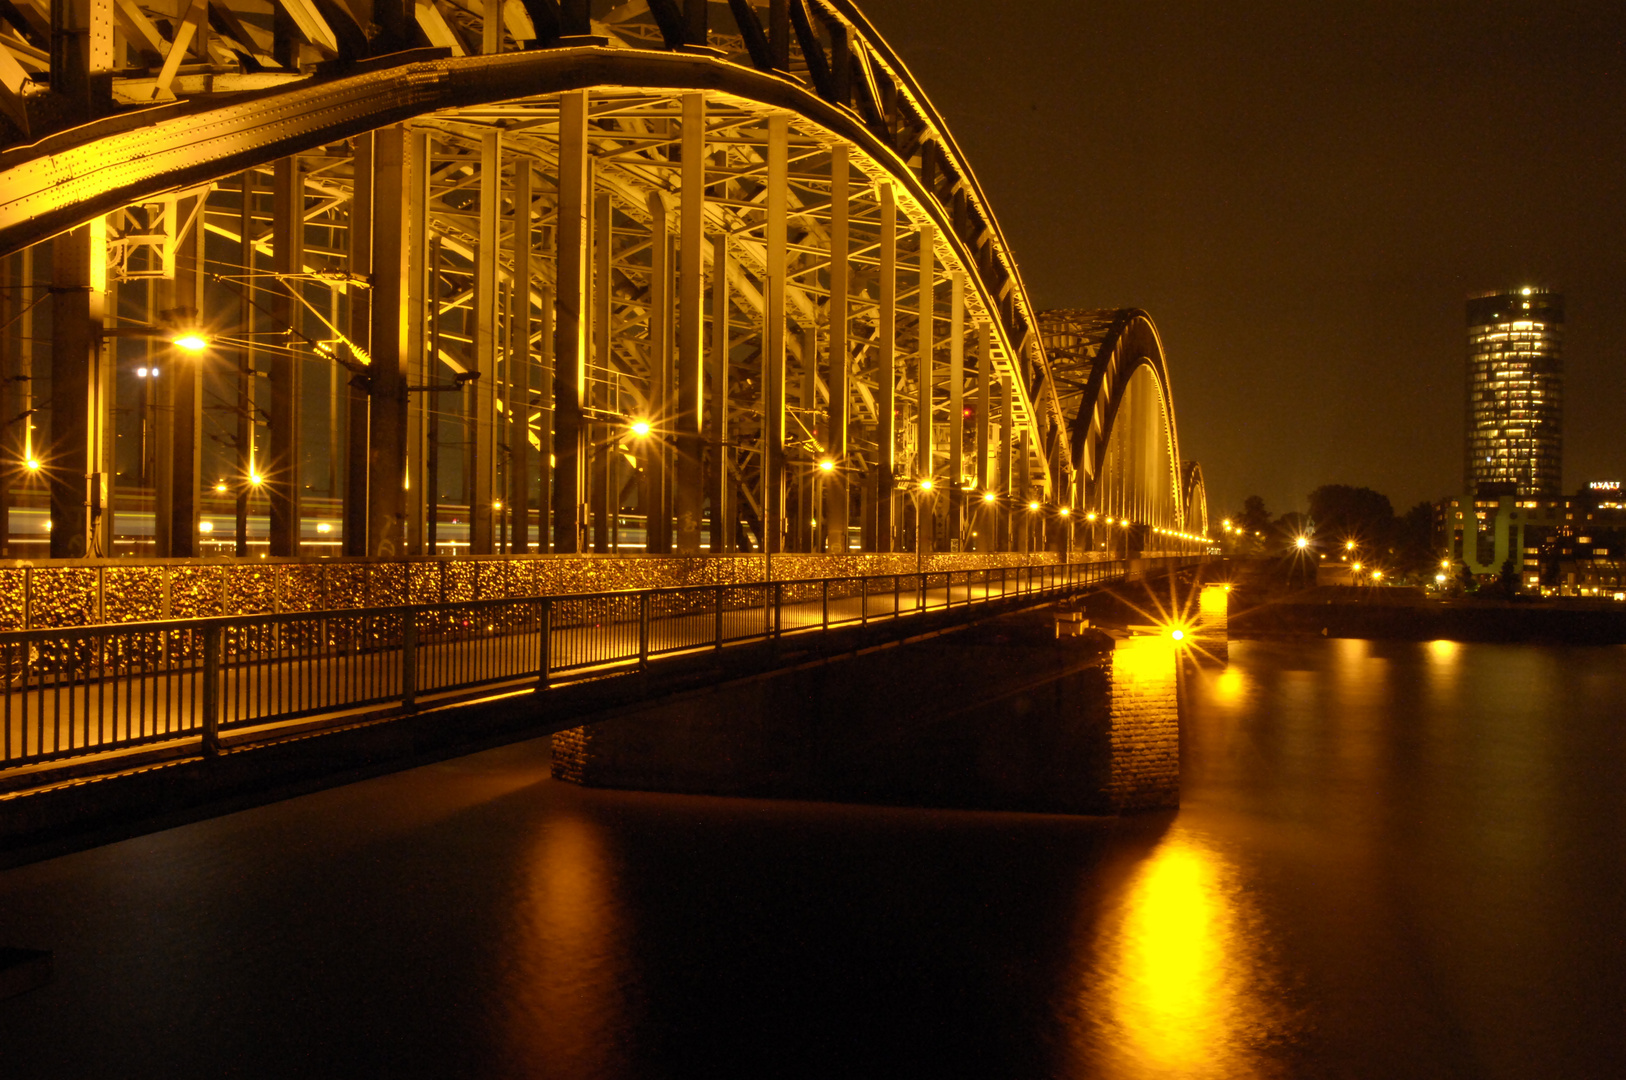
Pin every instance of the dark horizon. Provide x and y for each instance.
(1304, 199)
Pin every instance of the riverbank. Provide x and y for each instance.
(1408, 615)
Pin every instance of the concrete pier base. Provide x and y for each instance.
(1211, 630)
(1006, 714)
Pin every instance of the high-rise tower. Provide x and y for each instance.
(1515, 432)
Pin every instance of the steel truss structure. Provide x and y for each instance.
(717, 269)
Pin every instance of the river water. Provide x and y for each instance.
(1392, 860)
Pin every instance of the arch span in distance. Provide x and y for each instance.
(697, 276)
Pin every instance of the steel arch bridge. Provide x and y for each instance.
(537, 275)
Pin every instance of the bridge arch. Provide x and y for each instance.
(662, 177)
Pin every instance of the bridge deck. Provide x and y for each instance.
(84, 692)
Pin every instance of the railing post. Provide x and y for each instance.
(897, 596)
(719, 616)
(544, 660)
(643, 630)
(211, 690)
(409, 659)
(825, 602)
(863, 601)
(778, 608)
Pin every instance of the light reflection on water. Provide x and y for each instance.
(1176, 986)
(563, 986)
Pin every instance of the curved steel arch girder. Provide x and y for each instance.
(1194, 497)
(1131, 344)
(73, 177)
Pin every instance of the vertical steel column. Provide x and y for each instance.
(519, 365)
(281, 474)
(78, 302)
(11, 455)
(807, 399)
(956, 407)
(81, 64)
(689, 503)
(420, 363)
(482, 526)
(354, 528)
(570, 333)
(544, 421)
(774, 328)
(723, 518)
(886, 374)
(247, 419)
(987, 529)
(925, 350)
(1007, 490)
(1024, 494)
(657, 500)
(181, 404)
(387, 439)
(603, 489)
(835, 440)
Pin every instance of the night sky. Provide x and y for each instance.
(1303, 195)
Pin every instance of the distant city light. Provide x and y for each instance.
(1302, 542)
(206, 526)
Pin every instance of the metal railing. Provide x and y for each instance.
(73, 692)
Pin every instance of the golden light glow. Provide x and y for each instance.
(324, 527)
(496, 504)
(32, 464)
(255, 479)
(640, 428)
(926, 484)
(1357, 566)
(1180, 979)
(1176, 634)
(989, 496)
(1090, 516)
(1033, 505)
(1302, 542)
(220, 488)
(1376, 574)
(206, 526)
(1226, 523)
(827, 465)
(1065, 512)
(191, 341)
(1349, 545)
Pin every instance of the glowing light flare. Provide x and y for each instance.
(206, 526)
(1033, 505)
(1302, 542)
(1179, 983)
(640, 428)
(827, 465)
(191, 341)
(989, 496)
(926, 484)
(32, 464)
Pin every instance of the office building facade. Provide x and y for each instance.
(1515, 394)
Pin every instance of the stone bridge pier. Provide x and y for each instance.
(1026, 712)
